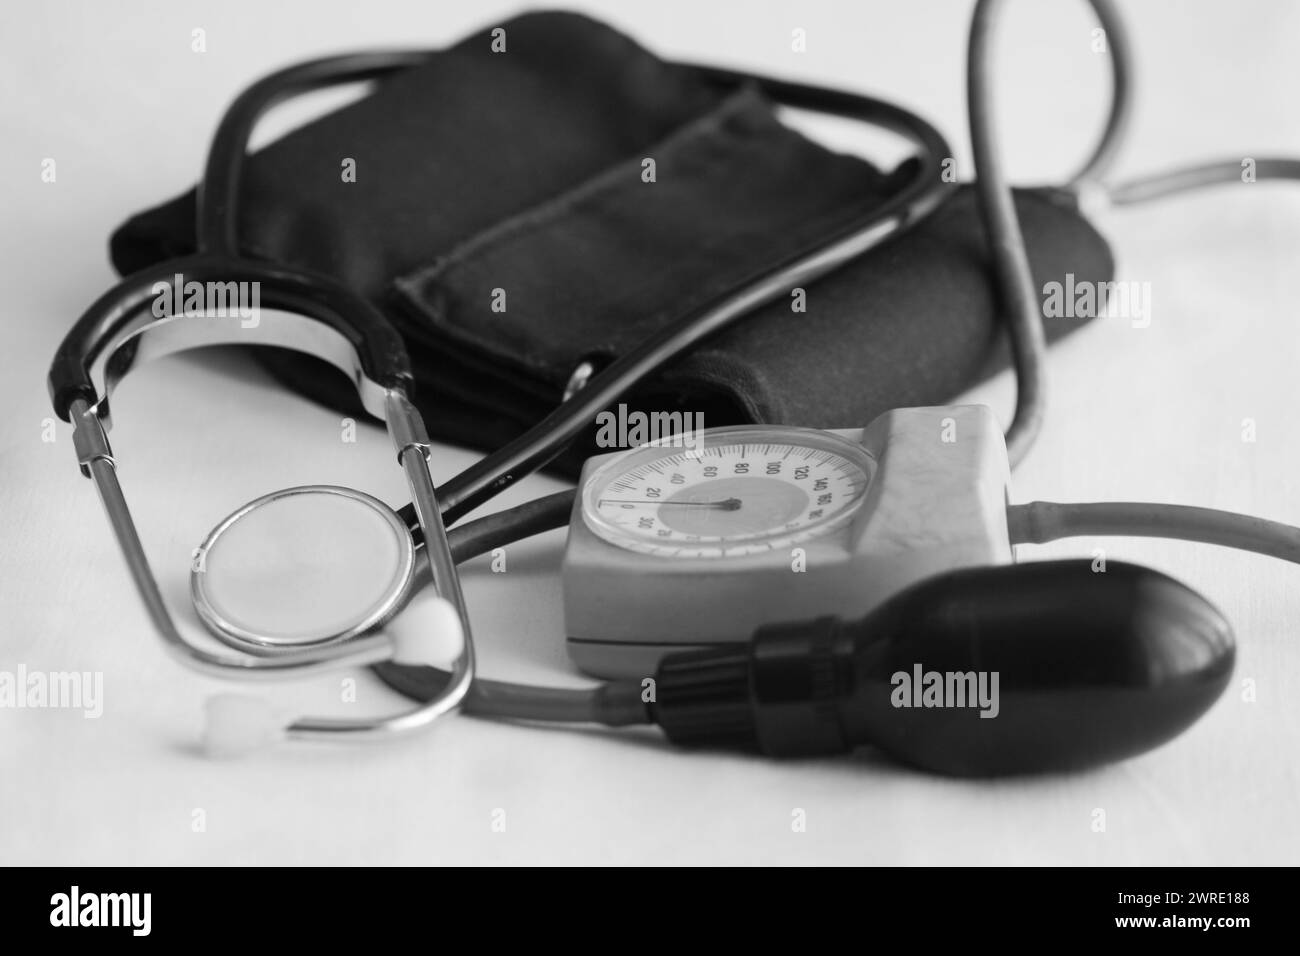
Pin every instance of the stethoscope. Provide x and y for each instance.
(313, 314)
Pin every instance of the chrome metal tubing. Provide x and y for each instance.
(169, 335)
(412, 444)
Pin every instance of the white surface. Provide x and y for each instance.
(126, 109)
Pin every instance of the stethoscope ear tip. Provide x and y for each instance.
(236, 725)
(429, 634)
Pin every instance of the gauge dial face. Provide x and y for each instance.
(739, 491)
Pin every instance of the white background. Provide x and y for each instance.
(114, 93)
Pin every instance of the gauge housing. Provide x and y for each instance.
(935, 499)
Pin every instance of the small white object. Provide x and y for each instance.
(237, 725)
(427, 633)
(1093, 198)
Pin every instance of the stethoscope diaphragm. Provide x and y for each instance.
(303, 566)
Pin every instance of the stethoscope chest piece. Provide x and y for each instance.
(304, 566)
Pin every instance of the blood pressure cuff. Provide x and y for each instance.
(547, 192)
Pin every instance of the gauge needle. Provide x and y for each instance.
(727, 504)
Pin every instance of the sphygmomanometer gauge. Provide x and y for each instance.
(698, 540)
(727, 493)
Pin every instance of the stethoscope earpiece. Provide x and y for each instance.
(236, 725)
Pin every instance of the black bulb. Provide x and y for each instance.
(983, 671)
